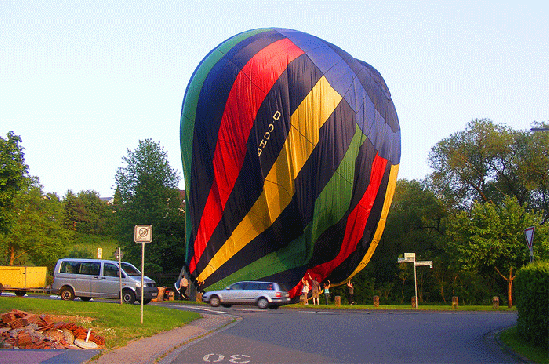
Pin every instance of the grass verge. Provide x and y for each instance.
(513, 340)
(118, 324)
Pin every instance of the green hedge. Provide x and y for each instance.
(532, 293)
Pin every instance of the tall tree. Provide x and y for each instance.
(487, 162)
(13, 176)
(147, 194)
(490, 239)
(37, 236)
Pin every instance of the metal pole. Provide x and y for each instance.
(415, 281)
(120, 274)
(142, 273)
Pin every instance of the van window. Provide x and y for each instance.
(90, 268)
(69, 267)
(130, 269)
(110, 270)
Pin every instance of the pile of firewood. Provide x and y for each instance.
(23, 330)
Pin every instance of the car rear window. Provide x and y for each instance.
(266, 286)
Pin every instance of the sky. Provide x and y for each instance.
(83, 81)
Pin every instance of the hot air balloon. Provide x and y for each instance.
(290, 151)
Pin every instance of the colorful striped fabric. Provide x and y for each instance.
(290, 151)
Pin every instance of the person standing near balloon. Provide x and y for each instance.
(305, 291)
(326, 286)
(315, 290)
(350, 293)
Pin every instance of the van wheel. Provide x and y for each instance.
(128, 296)
(66, 294)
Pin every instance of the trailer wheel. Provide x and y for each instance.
(66, 294)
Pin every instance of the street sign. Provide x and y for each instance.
(411, 256)
(427, 262)
(530, 241)
(142, 233)
(529, 237)
(118, 255)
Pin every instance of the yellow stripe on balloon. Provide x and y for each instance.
(391, 185)
(278, 190)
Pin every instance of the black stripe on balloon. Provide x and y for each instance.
(288, 92)
(349, 265)
(335, 137)
(209, 111)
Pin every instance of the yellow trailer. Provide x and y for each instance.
(22, 279)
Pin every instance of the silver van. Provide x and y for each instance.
(97, 278)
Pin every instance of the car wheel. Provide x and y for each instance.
(274, 307)
(128, 296)
(214, 301)
(146, 301)
(85, 299)
(226, 305)
(20, 293)
(262, 303)
(66, 294)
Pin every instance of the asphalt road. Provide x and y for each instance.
(328, 336)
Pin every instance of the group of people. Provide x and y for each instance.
(315, 290)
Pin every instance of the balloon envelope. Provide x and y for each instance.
(290, 151)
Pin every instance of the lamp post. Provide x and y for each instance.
(411, 258)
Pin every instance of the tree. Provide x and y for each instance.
(37, 236)
(147, 194)
(416, 223)
(487, 162)
(86, 213)
(13, 176)
(490, 239)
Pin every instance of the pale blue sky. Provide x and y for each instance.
(83, 81)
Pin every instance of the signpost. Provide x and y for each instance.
(411, 258)
(530, 241)
(142, 234)
(118, 255)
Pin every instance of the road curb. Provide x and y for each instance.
(493, 340)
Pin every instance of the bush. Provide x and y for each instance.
(532, 292)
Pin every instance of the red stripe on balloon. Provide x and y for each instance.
(356, 223)
(250, 88)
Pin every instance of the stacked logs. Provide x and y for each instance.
(23, 330)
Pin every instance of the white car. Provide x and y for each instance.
(262, 294)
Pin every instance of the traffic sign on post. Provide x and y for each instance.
(142, 233)
(411, 258)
